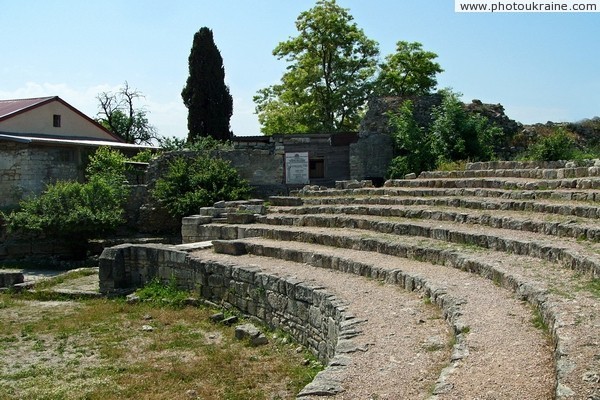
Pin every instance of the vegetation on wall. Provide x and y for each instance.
(205, 94)
(73, 211)
(191, 183)
(453, 134)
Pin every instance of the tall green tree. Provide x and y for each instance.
(329, 77)
(205, 94)
(409, 71)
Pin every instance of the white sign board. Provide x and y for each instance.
(296, 168)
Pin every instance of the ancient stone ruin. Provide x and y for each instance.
(498, 248)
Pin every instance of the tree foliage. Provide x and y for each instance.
(453, 135)
(205, 94)
(191, 183)
(410, 71)
(118, 114)
(412, 143)
(329, 77)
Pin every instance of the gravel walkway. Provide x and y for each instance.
(407, 348)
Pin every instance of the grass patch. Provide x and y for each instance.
(100, 349)
(537, 320)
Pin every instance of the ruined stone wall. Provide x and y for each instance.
(26, 169)
(309, 314)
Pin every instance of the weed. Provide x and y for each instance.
(161, 294)
(538, 321)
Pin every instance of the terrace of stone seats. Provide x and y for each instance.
(508, 252)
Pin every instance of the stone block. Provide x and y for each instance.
(9, 279)
(229, 247)
(240, 218)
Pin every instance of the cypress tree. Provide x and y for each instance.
(205, 94)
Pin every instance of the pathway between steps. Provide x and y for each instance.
(507, 357)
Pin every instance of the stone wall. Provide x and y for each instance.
(310, 315)
(26, 169)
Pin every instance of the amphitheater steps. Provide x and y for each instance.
(492, 326)
(530, 221)
(397, 329)
(583, 257)
(567, 207)
(562, 297)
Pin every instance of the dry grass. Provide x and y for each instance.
(100, 349)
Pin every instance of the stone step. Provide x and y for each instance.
(531, 221)
(488, 322)
(530, 164)
(569, 311)
(394, 328)
(581, 257)
(499, 183)
(558, 207)
(513, 194)
(554, 173)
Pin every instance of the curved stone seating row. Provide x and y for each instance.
(564, 228)
(554, 207)
(498, 183)
(572, 361)
(515, 194)
(575, 256)
(556, 173)
(530, 164)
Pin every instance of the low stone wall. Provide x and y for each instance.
(313, 317)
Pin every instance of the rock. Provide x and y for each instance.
(410, 176)
(230, 321)
(132, 299)
(251, 332)
(147, 328)
(218, 317)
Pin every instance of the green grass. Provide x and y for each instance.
(96, 349)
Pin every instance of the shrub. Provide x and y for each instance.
(558, 145)
(73, 211)
(108, 163)
(191, 183)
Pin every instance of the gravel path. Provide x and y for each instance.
(507, 356)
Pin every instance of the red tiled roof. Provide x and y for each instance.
(9, 107)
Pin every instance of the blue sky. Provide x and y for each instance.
(540, 66)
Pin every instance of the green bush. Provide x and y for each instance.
(558, 145)
(191, 183)
(73, 211)
(412, 144)
(108, 163)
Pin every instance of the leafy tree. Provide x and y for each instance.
(191, 183)
(119, 115)
(329, 78)
(205, 94)
(458, 135)
(412, 143)
(409, 71)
